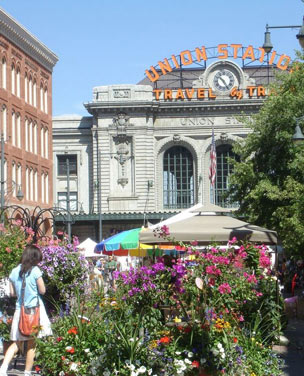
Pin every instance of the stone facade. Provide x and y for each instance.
(121, 147)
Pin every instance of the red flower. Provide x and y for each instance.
(58, 339)
(195, 364)
(73, 330)
(187, 329)
(70, 350)
(235, 339)
(165, 340)
(62, 357)
(37, 369)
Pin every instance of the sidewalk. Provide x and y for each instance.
(293, 353)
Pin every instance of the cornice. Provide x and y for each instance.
(26, 41)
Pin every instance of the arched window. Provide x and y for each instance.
(42, 141)
(18, 82)
(36, 185)
(41, 98)
(26, 88)
(4, 73)
(18, 130)
(31, 184)
(42, 187)
(26, 126)
(14, 128)
(13, 79)
(4, 123)
(178, 178)
(35, 137)
(27, 183)
(223, 169)
(31, 136)
(35, 94)
(46, 143)
(14, 178)
(45, 100)
(30, 94)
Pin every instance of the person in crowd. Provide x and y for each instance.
(110, 267)
(34, 287)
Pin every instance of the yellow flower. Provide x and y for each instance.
(252, 374)
(176, 319)
(153, 344)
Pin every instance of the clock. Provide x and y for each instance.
(223, 80)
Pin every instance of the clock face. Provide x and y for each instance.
(223, 80)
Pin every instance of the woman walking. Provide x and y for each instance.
(34, 287)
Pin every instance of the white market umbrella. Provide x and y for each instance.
(87, 248)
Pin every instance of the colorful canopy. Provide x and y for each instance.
(124, 240)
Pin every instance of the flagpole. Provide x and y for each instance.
(212, 168)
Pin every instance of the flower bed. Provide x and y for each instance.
(222, 318)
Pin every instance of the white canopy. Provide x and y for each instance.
(87, 248)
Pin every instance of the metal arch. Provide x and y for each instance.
(34, 219)
(176, 75)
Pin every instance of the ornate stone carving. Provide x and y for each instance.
(176, 138)
(121, 93)
(224, 137)
(122, 142)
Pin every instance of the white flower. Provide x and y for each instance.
(203, 360)
(132, 367)
(177, 352)
(73, 366)
(190, 354)
(215, 352)
(223, 356)
(106, 373)
(142, 369)
(134, 373)
(188, 361)
(150, 371)
(61, 373)
(86, 350)
(219, 345)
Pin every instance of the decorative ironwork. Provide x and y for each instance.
(39, 220)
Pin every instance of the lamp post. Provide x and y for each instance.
(69, 220)
(267, 46)
(298, 136)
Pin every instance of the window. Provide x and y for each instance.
(30, 94)
(35, 94)
(41, 98)
(223, 169)
(25, 88)
(62, 164)
(35, 138)
(26, 126)
(18, 82)
(4, 124)
(62, 200)
(18, 132)
(14, 128)
(4, 73)
(178, 178)
(13, 78)
(45, 100)
(42, 141)
(42, 187)
(36, 185)
(46, 144)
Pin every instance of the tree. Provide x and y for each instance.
(268, 181)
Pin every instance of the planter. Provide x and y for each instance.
(6, 345)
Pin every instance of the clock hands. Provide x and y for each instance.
(224, 82)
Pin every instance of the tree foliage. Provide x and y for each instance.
(268, 182)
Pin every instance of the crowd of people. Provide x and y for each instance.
(103, 272)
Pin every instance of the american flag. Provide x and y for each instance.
(212, 168)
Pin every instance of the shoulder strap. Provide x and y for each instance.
(23, 289)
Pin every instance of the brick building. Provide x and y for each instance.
(26, 67)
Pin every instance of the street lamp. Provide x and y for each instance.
(298, 136)
(267, 46)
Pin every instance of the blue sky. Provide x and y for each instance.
(103, 42)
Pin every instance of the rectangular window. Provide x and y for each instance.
(62, 164)
(62, 200)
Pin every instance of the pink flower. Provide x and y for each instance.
(232, 241)
(241, 318)
(165, 230)
(224, 288)
(8, 250)
(194, 243)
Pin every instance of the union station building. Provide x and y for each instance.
(143, 152)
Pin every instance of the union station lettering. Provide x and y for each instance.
(223, 51)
